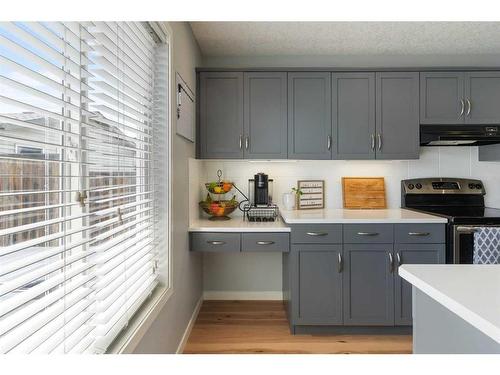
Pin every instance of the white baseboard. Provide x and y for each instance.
(189, 327)
(242, 296)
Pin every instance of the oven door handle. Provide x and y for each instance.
(465, 229)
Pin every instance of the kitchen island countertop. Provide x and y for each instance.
(470, 291)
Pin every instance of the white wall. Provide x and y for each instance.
(166, 331)
(262, 272)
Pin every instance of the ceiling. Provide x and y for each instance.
(240, 39)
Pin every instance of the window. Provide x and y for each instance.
(83, 181)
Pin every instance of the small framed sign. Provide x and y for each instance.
(313, 194)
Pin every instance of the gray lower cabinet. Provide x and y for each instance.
(215, 242)
(441, 98)
(265, 242)
(412, 254)
(318, 284)
(482, 90)
(353, 115)
(397, 115)
(221, 115)
(368, 284)
(236, 242)
(265, 115)
(309, 116)
(349, 278)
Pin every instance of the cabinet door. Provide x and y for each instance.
(319, 289)
(397, 121)
(265, 111)
(309, 116)
(442, 98)
(482, 93)
(353, 115)
(221, 115)
(368, 285)
(412, 254)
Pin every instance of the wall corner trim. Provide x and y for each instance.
(189, 327)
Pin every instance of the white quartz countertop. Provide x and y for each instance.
(470, 291)
(237, 224)
(328, 216)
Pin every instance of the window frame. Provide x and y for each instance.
(141, 319)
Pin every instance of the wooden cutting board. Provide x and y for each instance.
(363, 192)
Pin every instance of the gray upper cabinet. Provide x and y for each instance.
(319, 285)
(459, 97)
(265, 115)
(353, 115)
(441, 98)
(397, 115)
(482, 93)
(221, 115)
(309, 116)
(368, 284)
(412, 254)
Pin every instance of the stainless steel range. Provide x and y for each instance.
(461, 201)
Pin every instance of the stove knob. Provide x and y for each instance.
(418, 186)
(472, 186)
(411, 186)
(479, 186)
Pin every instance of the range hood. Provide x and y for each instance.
(459, 135)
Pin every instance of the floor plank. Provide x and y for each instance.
(262, 327)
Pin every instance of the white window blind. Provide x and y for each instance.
(83, 168)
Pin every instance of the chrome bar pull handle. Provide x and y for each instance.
(247, 142)
(468, 107)
(368, 234)
(379, 137)
(341, 263)
(315, 234)
(241, 141)
(265, 242)
(462, 108)
(329, 142)
(217, 243)
(398, 258)
(372, 137)
(391, 263)
(418, 234)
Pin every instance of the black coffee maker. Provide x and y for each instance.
(261, 206)
(261, 190)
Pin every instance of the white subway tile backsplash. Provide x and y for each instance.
(455, 162)
(427, 165)
(433, 162)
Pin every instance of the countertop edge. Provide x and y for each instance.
(366, 221)
(239, 230)
(463, 312)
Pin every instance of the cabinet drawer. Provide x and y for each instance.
(419, 233)
(316, 233)
(265, 242)
(216, 242)
(368, 233)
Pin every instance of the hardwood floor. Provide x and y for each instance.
(261, 327)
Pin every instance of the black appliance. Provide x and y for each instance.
(459, 135)
(260, 206)
(459, 200)
(261, 190)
